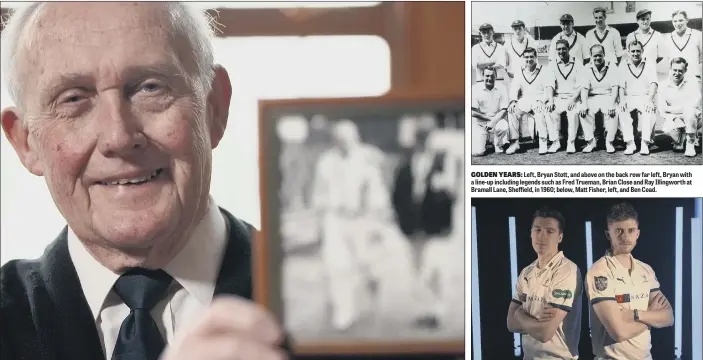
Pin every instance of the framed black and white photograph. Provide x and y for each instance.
(586, 83)
(362, 241)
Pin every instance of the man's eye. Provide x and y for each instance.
(150, 87)
(72, 99)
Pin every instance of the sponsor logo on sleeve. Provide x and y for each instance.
(601, 282)
(558, 293)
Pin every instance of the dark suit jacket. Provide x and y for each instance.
(433, 215)
(45, 316)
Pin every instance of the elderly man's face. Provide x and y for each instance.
(122, 138)
(598, 56)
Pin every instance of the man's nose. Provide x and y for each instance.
(120, 130)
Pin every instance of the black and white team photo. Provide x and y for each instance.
(586, 83)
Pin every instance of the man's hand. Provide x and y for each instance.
(232, 328)
(658, 302)
(549, 106)
(649, 107)
(611, 109)
(583, 109)
(572, 104)
(547, 314)
(628, 315)
(622, 107)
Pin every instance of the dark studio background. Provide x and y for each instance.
(656, 247)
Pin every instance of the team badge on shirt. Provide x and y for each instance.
(566, 294)
(601, 282)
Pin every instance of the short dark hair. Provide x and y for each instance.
(682, 12)
(561, 41)
(633, 43)
(549, 213)
(595, 46)
(679, 60)
(491, 68)
(531, 50)
(621, 212)
(599, 9)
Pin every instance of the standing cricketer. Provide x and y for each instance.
(567, 73)
(578, 45)
(546, 306)
(605, 35)
(488, 53)
(651, 40)
(638, 88)
(686, 43)
(624, 294)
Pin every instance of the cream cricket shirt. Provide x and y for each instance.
(608, 280)
(531, 84)
(609, 39)
(514, 50)
(485, 53)
(600, 82)
(578, 46)
(651, 41)
(559, 285)
(688, 46)
(636, 79)
(567, 76)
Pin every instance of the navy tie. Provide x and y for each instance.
(139, 337)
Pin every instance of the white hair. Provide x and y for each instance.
(193, 24)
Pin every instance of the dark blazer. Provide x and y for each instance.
(431, 216)
(45, 316)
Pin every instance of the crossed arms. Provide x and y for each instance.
(542, 328)
(620, 322)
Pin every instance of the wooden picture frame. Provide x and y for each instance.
(269, 257)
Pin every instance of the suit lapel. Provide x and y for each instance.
(235, 274)
(69, 326)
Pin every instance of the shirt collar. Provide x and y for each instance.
(195, 267)
(606, 65)
(618, 266)
(642, 62)
(526, 67)
(571, 60)
(552, 262)
(687, 32)
(486, 89)
(651, 31)
(670, 83)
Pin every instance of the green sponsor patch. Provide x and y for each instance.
(566, 294)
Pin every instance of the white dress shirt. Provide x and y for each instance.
(194, 270)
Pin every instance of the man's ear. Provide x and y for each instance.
(219, 101)
(18, 135)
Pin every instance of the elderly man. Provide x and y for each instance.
(686, 43)
(578, 45)
(652, 40)
(489, 104)
(119, 106)
(350, 196)
(680, 105)
(488, 53)
(638, 88)
(599, 94)
(605, 35)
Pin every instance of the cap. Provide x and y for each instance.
(643, 12)
(566, 17)
(517, 23)
(485, 26)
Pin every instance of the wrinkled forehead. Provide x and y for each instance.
(62, 40)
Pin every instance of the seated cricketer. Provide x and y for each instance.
(566, 72)
(119, 107)
(638, 89)
(489, 103)
(624, 294)
(680, 105)
(532, 92)
(546, 305)
(599, 93)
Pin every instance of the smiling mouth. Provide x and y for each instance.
(134, 181)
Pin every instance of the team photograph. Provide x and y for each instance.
(586, 83)
(586, 278)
